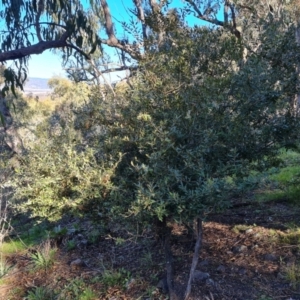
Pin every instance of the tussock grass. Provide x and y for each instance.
(292, 274)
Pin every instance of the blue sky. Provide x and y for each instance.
(48, 64)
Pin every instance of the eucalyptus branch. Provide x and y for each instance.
(47, 23)
(35, 49)
(141, 16)
(40, 9)
(112, 40)
(100, 74)
(204, 17)
(234, 29)
(226, 5)
(86, 56)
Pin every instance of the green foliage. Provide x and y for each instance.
(284, 181)
(292, 237)
(40, 293)
(58, 232)
(292, 274)
(4, 266)
(12, 246)
(200, 120)
(65, 90)
(94, 235)
(60, 175)
(45, 256)
(77, 289)
(119, 278)
(196, 119)
(71, 244)
(65, 26)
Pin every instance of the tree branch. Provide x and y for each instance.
(35, 49)
(112, 40)
(234, 29)
(40, 9)
(226, 5)
(110, 70)
(141, 16)
(86, 56)
(204, 17)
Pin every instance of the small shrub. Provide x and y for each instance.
(4, 267)
(240, 228)
(71, 244)
(94, 236)
(44, 257)
(292, 274)
(88, 294)
(77, 289)
(292, 237)
(115, 278)
(40, 293)
(5, 221)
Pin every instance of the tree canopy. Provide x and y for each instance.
(79, 29)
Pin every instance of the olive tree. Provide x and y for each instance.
(200, 118)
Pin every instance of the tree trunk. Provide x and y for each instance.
(198, 231)
(165, 234)
(297, 97)
(9, 131)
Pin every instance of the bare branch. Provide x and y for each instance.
(141, 16)
(112, 40)
(86, 56)
(234, 29)
(100, 74)
(124, 68)
(215, 21)
(156, 9)
(226, 5)
(204, 17)
(110, 70)
(47, 23)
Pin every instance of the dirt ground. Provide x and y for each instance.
(244, 256)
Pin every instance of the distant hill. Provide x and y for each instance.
(37, 86)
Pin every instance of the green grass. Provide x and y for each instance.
(27, 238)
(240, 228)
(77, 289)
(292, 274)
(284, 182)
(4, 266)
(40, 293)
(291, 237)
(286, 174)
(12, 246)
(115, 278)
